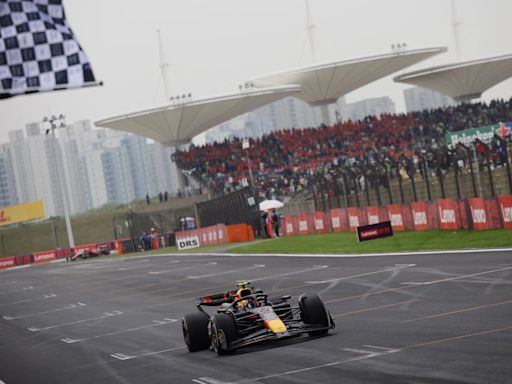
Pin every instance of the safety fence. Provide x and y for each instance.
(473, 213)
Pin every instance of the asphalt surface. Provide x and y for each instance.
(429, 318)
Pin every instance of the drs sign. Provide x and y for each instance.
(188, 242)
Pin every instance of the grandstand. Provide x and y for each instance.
(375, 161)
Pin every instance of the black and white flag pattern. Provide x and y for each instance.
(38, 50)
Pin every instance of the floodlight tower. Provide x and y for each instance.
(164, 65)
(311, 27)
(456, 29)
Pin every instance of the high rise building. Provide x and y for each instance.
(419, 99)
(368, 107)
(100, 167)
(7, 182)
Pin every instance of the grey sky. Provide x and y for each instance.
(214, 45)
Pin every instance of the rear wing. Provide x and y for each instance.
(216, 299)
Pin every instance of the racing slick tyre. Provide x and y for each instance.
(312, 311)
(195, 331)
(222, 330)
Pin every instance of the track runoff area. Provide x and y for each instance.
(426, 318)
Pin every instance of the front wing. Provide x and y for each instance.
(295, 328)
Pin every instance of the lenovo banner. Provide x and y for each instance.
(447, 214)
(479, 215)
(7, 262)
(339, 219)
(373, 215)
(395, 217)
(505, 203)
(419, 216)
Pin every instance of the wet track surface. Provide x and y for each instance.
(434, 318)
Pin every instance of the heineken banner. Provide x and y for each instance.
(485, 134)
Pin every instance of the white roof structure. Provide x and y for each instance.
(462, 81)
(325, 83)
(178, 123)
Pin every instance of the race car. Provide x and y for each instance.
(248, 316)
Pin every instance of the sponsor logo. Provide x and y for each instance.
(188, 242)
(373, 219)
(319, 224)
(420, 218)
(289, 227)
(221, 235)
(478, 216)
(303, 226)
(6, 263)
(353, 221)
(369, 233)
(44, 257)
(396, 220)
(447, 216)
(507, 214)
(336, 222)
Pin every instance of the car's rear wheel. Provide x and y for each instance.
(223, 332)
(195, 331)
(313, 312)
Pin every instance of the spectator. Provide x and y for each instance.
(148, 200)
(277, 222)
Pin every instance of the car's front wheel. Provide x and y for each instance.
(313, 312)
(222, 330)
(195, 331)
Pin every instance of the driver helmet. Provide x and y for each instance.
(244, 292)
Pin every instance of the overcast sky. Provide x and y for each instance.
(214, 45)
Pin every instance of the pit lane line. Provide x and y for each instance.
(44, 297)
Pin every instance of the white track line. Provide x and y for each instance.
(122, 356)
(360, 275)
(47, 296)
(351, 255)
(71, 306)
(181, 269)
(315, 268)
(156, 323)
(105, 315)
(226, 272)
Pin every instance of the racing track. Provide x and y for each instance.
(431, 318)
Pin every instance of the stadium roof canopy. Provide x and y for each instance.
(325, 83)
(462, 81)
(178, 123)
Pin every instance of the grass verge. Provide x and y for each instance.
(345, 242)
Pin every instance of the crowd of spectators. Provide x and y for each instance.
(289, 161)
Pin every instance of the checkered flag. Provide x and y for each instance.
(38, 50)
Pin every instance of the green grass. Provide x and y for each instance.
(345, 242)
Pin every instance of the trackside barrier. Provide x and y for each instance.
(305, 224)
(290, 226)
(479, 217)
(321, 222)
(373, 215)
(237, 233)
(339, 219)
(44, 256)
(419, 216)
(472, 213)
(7, 262)
(396, 217)
(214, 234)
(22, 260)
(505, 209)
